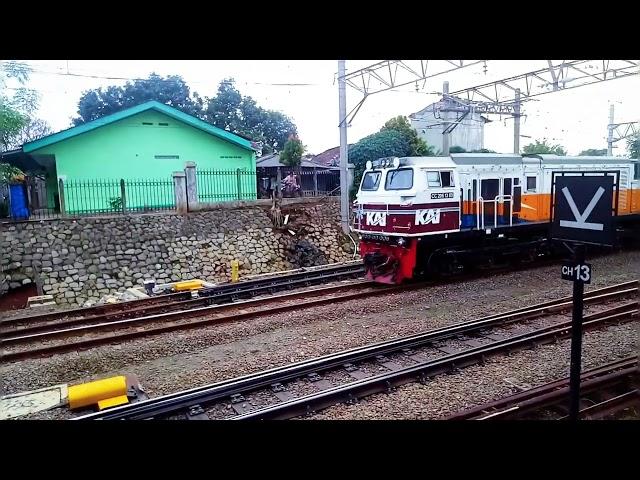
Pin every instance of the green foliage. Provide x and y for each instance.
(228, 109)
(9, 174)
(593, 152)
(16, 112)
(386, 143)
(291, 154)
(231, 111)
(483, 150)
(417, 146)
(457, 149)
(115, 203)
(542, 147)
(633, 144)
(171, 90)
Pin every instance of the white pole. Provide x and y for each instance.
(344, 153)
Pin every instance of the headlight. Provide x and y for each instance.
(401, 241)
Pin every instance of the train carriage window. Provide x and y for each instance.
(636, 171)
(531, 184)
(371, 181)
(433, 179)
(475, 190)
(400, 179)
(447, 179)
(516, 182)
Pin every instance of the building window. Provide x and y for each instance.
(166, 157)
(531, 184)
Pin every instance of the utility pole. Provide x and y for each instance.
(445, 134)
(610, 136)
(344, 152)
(516, 124)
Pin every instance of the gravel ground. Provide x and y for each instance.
(170, 362)
(499, 377)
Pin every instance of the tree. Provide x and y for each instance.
(542, 147)
(14, 110)
(593, 152)
(291, 154)
(417, 146)
(386, 143)
(231, 111)
(457, 149)
(171, 90)
(633, 144)
(34, 129)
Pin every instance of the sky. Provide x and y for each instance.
(576, 119)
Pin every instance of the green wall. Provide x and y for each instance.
(127, 149)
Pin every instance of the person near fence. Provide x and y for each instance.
(291, 180)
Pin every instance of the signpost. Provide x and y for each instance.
(582, 213)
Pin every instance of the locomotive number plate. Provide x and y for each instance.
(438, 196)
(375, 238)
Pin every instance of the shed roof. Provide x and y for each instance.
(128, 112)
(273, 160)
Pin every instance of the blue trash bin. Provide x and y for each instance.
(18, 201)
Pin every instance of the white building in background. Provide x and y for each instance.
(468, 134)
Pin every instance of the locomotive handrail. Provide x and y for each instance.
(498, 198)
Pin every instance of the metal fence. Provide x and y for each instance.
(88, 197)
(226, 185)
(100, 197)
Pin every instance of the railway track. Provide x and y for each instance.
(220, 294)
(304, 387)
(603, 391)
(85, 329)
(78, 334)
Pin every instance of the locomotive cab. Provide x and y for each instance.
(400, 200)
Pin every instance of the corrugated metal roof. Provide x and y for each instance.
(273, 160)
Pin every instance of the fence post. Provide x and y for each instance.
(123, 196)
(315, 181)
(180, 191)
(192, 183)
(350, 175)
(61, 196)
(278, 182)
(239, 184)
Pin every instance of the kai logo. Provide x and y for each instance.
(377, 218)
(423, 217)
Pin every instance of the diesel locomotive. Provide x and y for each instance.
(422, 215)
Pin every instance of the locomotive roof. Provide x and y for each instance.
(463, 159)
(546, 159)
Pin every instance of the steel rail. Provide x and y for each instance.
(219, 390)
(549, 394)
(387, 381)
(218, 293)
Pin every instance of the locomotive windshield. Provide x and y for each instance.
(401, 179)
(371, 180)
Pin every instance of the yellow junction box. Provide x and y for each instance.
(188, 285)
(109, 391)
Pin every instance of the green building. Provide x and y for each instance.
(143, 145)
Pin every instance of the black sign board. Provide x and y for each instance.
(576, 272)
(583, 209)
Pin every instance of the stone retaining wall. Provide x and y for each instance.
(82, 259)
